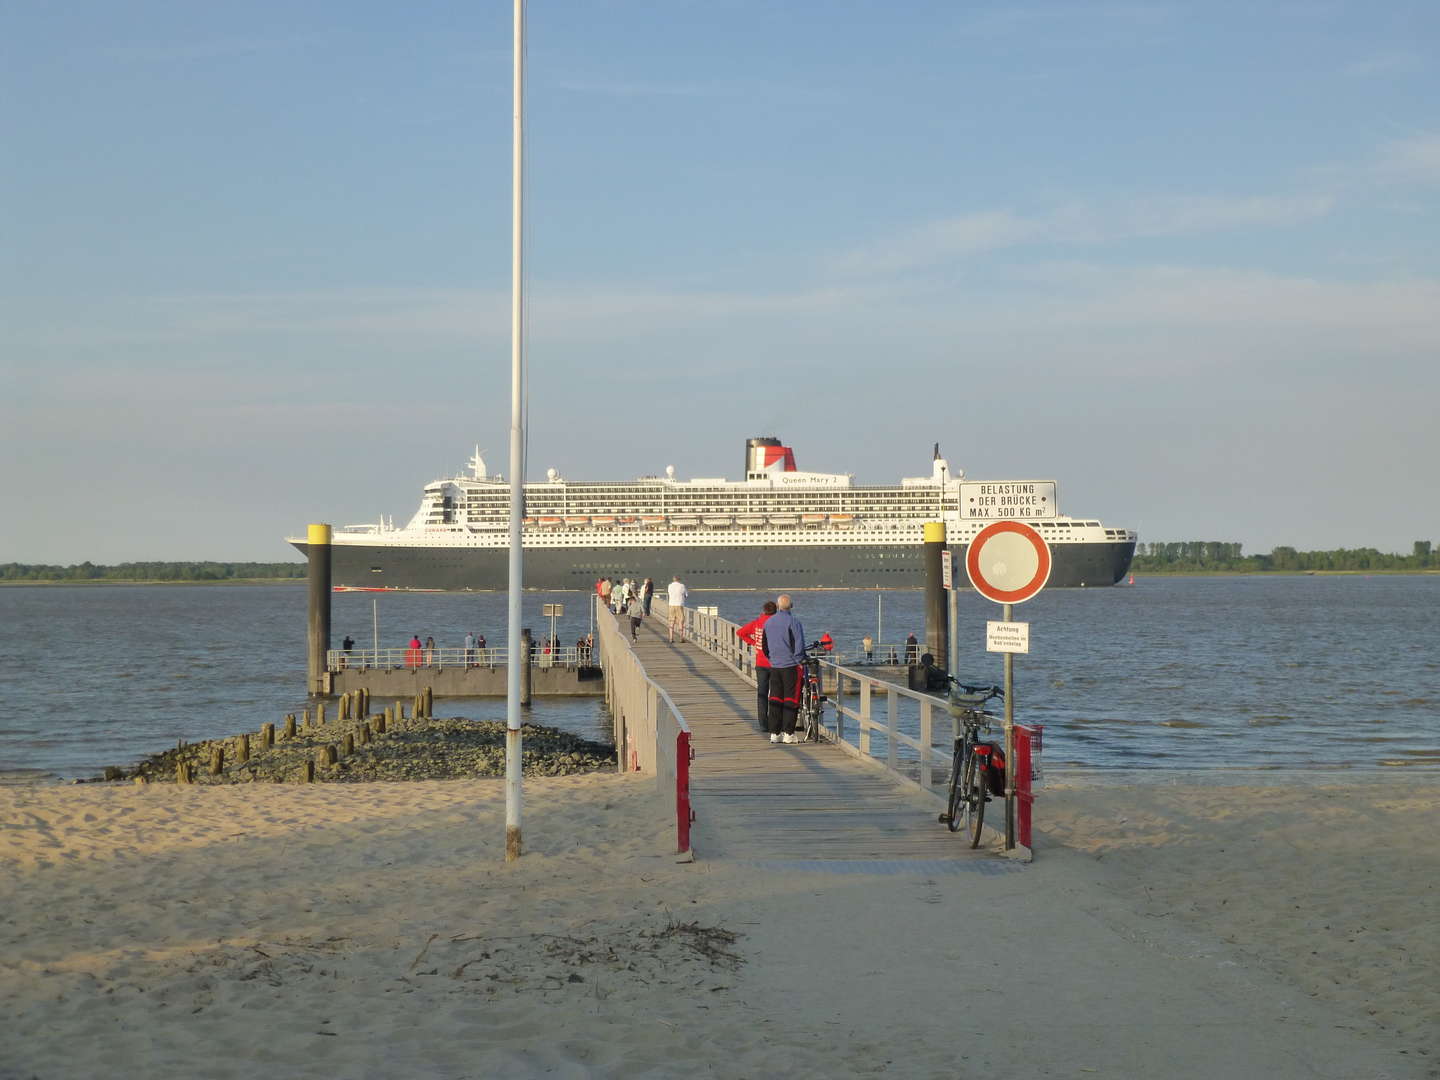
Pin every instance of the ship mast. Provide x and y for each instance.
(517, 454)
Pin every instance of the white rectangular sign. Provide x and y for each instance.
(1012, 637)
(947, 574)
(1012, 500)
(552, 609)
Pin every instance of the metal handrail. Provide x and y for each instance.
(566, 656)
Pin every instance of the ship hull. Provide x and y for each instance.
(836, 566)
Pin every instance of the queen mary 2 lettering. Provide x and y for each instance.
(778, 526)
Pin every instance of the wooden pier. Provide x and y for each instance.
(808, 801)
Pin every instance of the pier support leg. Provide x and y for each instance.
(318, 639)
(526, 647)
(937, 631)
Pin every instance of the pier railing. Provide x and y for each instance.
(651, 735)
(874, 719)
(567, 656)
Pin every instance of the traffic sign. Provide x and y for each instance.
(947, 575)
(1008, 562)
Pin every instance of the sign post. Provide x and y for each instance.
(1008, 562)
(553, 610)
(947, 571)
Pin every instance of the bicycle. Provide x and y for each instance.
(977, 769)
(812, 701)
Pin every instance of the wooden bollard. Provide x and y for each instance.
(320, 714)
(267, 736)
(217, 760)
(379, 722)
(349, 743)
(309, 772)
(364, 701)
(429, 703)
(344, 706)
(365, 735)
(242, 752)
(183, 773)
(399, 711)
(290, 727)
(327, 755)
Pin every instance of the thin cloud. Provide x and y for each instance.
(1414, 159)
(1160, 216)
(1385, 63)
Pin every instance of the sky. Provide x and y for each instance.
(1181, 258)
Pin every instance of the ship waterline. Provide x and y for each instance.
(777, 526)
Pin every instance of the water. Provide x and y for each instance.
(1179, 673)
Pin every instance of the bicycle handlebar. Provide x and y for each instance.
(986, 692)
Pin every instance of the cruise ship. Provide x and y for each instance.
(778, 527)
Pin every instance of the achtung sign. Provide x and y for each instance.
(1009, 637)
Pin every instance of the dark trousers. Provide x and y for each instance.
(762, 696)
(784, 700)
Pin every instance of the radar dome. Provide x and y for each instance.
(669, 472)
(551, 474)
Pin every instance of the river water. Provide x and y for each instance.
(1237, 673)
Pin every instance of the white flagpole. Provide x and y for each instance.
(513, 792)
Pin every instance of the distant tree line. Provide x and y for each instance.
(151, 571)
(1200, 555)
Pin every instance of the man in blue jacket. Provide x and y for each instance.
(783, 641)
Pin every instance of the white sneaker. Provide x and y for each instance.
(788, 738)
(774, 738)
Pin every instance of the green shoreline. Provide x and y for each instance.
(157, 581)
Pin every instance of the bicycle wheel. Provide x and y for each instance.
(974, 798)
(812, 719)
(955, 808)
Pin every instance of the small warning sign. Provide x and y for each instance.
(1011, 637)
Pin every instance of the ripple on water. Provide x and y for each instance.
(1182, 724)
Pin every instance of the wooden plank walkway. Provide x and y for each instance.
(757, 800)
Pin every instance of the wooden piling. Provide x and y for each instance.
(217, 760)
(328, 756)
(349, 743)
(365, 735)
(183, 773)
(267, 736)
(290, 726)
(429, 703)
(379, 721)
(242, 751)
(320, 714)
(309, 772)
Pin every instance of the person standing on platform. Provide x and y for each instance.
(480, 650)
(912, 650)
(675, 595)
(604, 590)
(750, 634)
(413, 652)
(867, 643)
(647, 591)
(429, 652)
(346, 646)
(470, 648)
(782, 639)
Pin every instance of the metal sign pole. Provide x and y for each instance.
(1009, 741)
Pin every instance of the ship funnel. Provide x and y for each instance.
(766, 455)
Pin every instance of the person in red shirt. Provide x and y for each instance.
(750, 634)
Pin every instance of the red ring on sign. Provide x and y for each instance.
(1024, 592)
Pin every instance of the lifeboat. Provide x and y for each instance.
(551, 522)
(718, 521)
(843, 520)
(812, 519)
(784, 519)
(629, 521)
(750, 520)
(577, 519)
(527, 522)
(652, 519)
(603, 520)
(684, 521)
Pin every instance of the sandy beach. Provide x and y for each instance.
(373, 930)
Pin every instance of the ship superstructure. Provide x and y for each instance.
(777, 525)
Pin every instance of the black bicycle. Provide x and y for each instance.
(812, 701)
(977, 769)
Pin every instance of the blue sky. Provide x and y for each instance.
(1181, 258)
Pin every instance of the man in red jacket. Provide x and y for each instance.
(750, 634)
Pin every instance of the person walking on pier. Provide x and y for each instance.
(675, 595)
(750, 634)
(783, 641)
(603, 588)
(637, 613)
